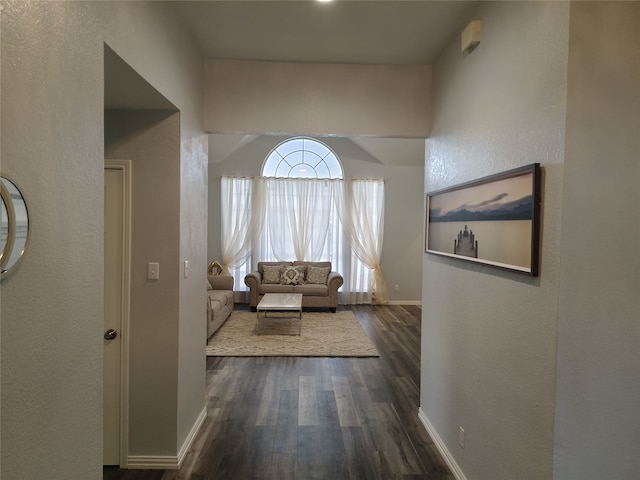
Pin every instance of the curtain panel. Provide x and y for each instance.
(275, 219)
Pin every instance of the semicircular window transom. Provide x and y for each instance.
(302, 157)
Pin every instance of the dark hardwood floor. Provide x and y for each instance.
(316, 418)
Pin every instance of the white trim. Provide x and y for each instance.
(168, 462)
(242, 296)
(404, 302)
(125, 167)
(186, 446)
(442, 448)
(148, 462)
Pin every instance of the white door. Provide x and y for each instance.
(116, 288)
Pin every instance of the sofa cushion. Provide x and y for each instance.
(216, 306)
(271, 288)
(312, 289)
(225, 297)
(272, 273)
(293, 275)
(317, 274)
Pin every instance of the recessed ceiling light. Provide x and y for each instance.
(325, 1)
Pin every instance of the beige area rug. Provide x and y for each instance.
(322, 335)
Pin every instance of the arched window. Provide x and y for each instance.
(293, 212)
(302, 157)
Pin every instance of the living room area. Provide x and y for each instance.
(399, 164)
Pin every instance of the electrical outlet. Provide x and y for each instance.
(396, 287)
(461, 436)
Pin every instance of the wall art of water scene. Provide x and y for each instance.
(490, 221)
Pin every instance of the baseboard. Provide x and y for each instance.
(442, 448)
(168, 462)
(153, 462)
(186, 446)
(391, 302)
(405, 302)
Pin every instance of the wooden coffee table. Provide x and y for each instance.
(279, 302)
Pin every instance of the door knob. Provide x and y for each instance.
(110, 334)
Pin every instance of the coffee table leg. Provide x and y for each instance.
(265, 316)
(258, 322)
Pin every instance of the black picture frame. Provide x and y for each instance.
(494, 220)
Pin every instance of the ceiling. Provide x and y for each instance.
(343, 31)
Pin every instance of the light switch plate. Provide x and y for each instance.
(153, 271)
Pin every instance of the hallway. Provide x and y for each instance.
(316, 418)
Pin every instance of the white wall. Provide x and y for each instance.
(193, 248)
(52, 307)
(52, 146)
(403, 234)
(489, 336)
(151, 39)
(151, 140)
(597, 418)
(330, 99)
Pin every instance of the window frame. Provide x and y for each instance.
(284, 160)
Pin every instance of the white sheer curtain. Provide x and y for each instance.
(242, 218)
(360, 204)
(267, 219)
(298, 215)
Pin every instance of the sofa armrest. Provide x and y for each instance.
(221, 282)
(253, 280)
(334, 281)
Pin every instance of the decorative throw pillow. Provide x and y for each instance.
(293, 275)
(317, 274)
(272, 273)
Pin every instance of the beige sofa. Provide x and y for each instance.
(318, 286)
(220, 301)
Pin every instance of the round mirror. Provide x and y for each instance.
(14, 226)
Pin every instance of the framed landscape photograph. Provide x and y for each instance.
(494, 220)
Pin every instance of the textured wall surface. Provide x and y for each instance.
(151, 141)
(489, 336)
(147, 36)
(333, 99)
(193, 242)
(598, 394)
(52, 306)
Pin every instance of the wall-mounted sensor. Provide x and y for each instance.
(471, 36)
